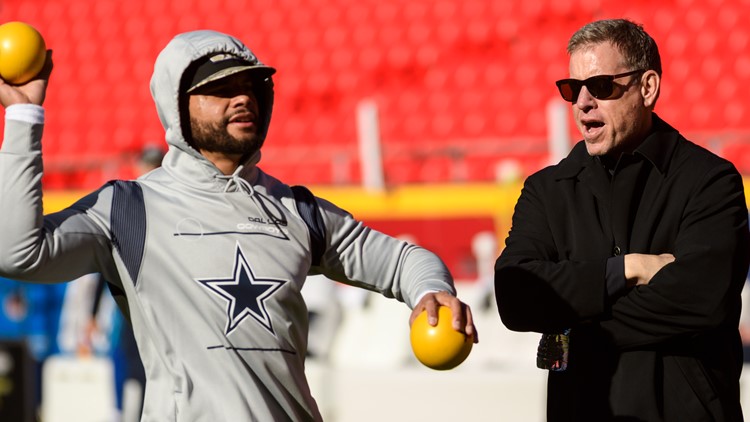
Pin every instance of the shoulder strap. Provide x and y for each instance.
(309, 211)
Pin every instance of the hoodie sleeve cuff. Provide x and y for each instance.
(424, 293)
(28, 113)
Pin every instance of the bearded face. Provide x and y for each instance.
(214, 136)
(224, 117)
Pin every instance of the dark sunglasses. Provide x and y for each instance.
(601, 87)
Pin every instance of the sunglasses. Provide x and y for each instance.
(600, 87)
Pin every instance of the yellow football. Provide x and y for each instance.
(22, 52)
(439, 347)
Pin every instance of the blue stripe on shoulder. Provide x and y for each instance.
(128, 224)
(310, 213)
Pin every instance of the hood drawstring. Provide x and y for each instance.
(236, 183)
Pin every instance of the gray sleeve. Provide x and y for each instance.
(363, 257)
(58, 247)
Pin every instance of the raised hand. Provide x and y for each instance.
(32, 92)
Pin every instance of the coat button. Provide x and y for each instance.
(616, 251)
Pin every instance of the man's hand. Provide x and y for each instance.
(641, 268)
(462, 319)
(32, 92)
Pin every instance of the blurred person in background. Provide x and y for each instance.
(150, 159)
(745, 321)
(92, 325)
(631, 253)
(30, 313)
(207, 255)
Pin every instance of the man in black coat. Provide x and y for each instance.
(631, 253)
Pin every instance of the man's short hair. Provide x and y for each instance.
(637, 47)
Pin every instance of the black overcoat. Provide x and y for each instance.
(668, 351)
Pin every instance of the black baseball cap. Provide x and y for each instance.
(214, 67)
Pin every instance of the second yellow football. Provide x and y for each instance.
(439, 347)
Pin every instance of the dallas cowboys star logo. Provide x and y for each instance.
(244, 293)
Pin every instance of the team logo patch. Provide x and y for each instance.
(244, 293)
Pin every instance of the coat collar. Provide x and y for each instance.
(657, 148)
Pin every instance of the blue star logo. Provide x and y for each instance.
(244, 293)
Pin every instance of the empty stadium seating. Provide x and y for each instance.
(447, 75)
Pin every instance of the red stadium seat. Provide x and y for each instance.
(445, 74)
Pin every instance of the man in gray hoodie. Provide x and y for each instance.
(207, 254)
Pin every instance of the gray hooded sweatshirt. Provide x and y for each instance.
(207, 267)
